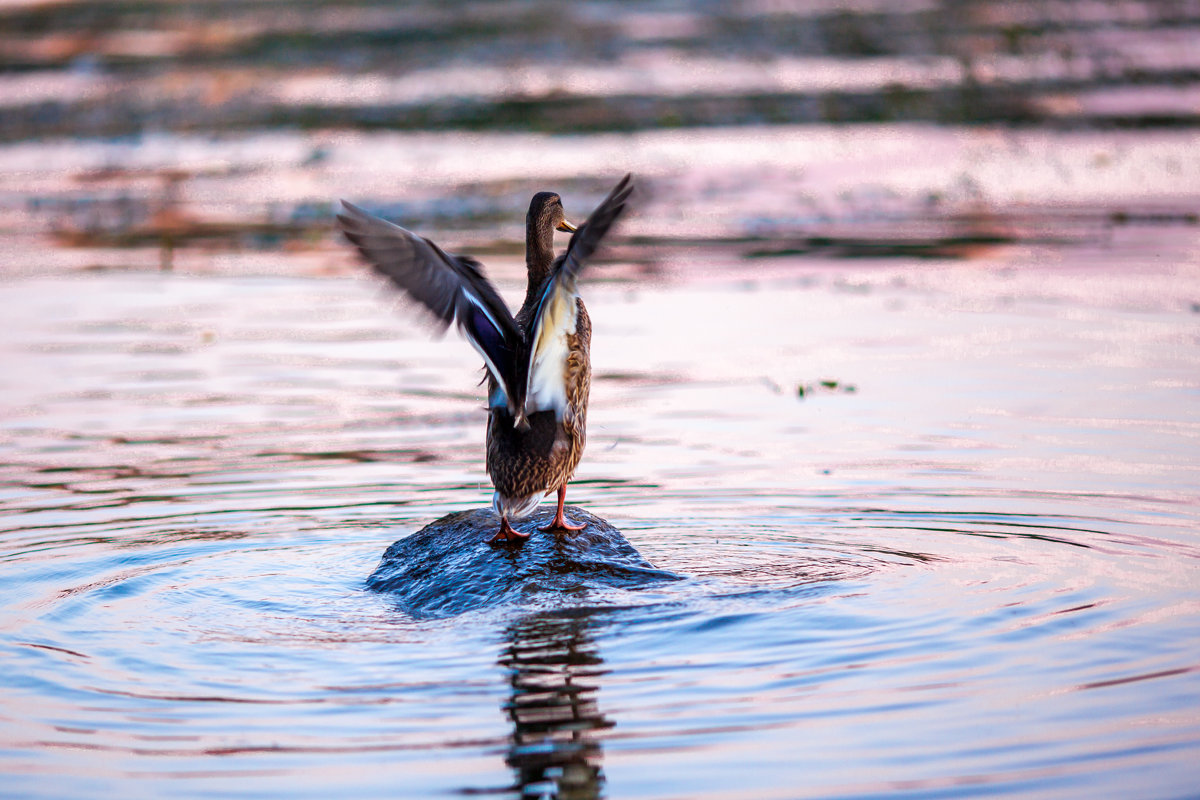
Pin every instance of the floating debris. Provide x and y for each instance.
(804, 390)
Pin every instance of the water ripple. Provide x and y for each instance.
(896, 590)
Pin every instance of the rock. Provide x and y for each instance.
(449, 566)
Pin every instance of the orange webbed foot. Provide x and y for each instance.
(507, 533)
(559, 523)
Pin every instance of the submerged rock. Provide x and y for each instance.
(449, 566)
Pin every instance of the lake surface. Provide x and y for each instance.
(936, 522)
(897, 385)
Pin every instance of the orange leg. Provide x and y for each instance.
(507, 534)
(560, 522)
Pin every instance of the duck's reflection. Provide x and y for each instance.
(552, 665)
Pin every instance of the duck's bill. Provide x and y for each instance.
(566, 227)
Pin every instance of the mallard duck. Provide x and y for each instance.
(538, 363)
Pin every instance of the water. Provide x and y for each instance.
(967, 564)
(896, 362)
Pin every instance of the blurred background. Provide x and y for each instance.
(217, 135)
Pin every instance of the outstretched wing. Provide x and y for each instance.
(451, 288)
(556, 313)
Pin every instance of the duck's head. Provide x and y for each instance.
(545, 216)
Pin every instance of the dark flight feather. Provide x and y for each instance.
(451, 288)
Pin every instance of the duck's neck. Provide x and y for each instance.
(539, 256)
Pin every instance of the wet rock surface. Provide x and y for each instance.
(450, 566)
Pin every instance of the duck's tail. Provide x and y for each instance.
(516, 507)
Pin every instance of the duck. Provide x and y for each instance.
(537, 362)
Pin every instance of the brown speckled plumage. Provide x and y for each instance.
(537, 461)
(538, 362)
